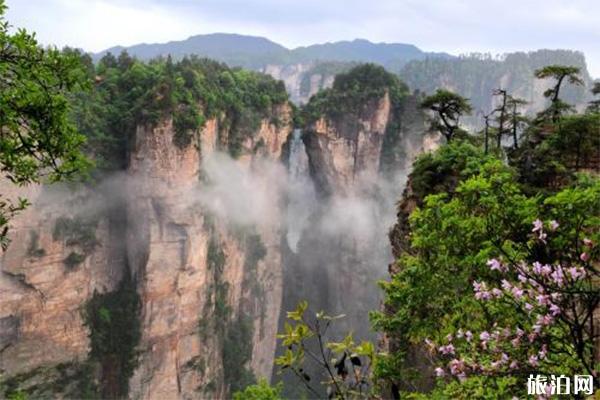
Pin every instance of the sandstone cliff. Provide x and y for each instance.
(203, 284)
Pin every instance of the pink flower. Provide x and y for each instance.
(576, 273)
(537, 328)
(497, 292)
(538, 225)
(546, 319)
(456, 366)
(522, 278)
(542, 299)
(588, 242)
(506, 285)
(514, 365)
(494, 264)
(533, 361)
(537, 268)
(554, 309)
(528, 307)
(468, 336)
(584, 257)
(558, 276)
(448, 349)
(439, 372)
(484, 336)
(546, 270)
(517, 292)
(533, 282)
(554, 225)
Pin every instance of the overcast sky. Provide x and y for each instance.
(454, 26)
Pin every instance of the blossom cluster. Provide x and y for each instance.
(539, 291)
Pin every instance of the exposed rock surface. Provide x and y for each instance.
(162, 237)
(41, 292)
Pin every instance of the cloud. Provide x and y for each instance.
(437, 25)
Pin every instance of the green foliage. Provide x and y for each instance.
(559, 151)
(66, 380)
(352, 91)
(476, 387)
(237, 352)
(235, 334)
(113, 322)
(561, 74)
(38, 142)
(18, 395)
(448, 108)
(261, 391)
(440, 172)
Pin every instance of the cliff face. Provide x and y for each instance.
(59, 256)
(345, 152)
(170, 241)
(342, 251)
(204, 284)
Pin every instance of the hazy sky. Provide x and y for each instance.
(454, 26)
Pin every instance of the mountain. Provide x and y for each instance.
(236, 50)
(257, 52)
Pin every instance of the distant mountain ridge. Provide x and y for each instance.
(257, 52)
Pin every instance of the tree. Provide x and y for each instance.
(502, 111)
(260, 391)
(485, 216)
(449, 107)
(37, 142)
(560, 73)
(516, 118)
(486, 132)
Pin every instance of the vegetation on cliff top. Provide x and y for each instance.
(129, 93)
(352, 91)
